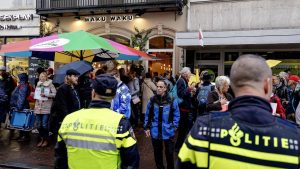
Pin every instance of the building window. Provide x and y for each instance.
(117, 38)
(163, 49)
(208, 56)
(289, 60)
(16, 65)
(230, 57)
(161, 43)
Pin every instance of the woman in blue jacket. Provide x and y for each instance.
(161, 121)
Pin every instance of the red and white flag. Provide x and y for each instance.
(200, 37)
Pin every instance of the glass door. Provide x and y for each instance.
(213, 69)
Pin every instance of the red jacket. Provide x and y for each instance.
(279, 110)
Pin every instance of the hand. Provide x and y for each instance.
(285, 102)
(278, 115)
(223, 101)
(147, 133)
(43, 95)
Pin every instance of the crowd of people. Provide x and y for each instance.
(161, 104)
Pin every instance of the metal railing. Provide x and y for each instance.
(68, 4)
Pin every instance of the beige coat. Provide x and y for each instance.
(44, 106)
(148, 87)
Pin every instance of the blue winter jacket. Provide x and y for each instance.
(121, 102)
(162, 117)
(19, 95)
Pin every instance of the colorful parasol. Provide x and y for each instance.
(73, 46)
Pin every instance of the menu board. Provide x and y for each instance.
(33, 65)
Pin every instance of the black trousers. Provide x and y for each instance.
(135, 113)
(158, 153)
(185, 125)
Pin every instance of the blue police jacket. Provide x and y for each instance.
(162, 117)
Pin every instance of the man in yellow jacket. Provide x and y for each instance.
(97, 137)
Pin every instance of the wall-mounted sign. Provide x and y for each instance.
(21, 22)
(112, 18)
(16, 17)
(9, 27)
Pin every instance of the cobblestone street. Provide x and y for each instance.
(15, 154)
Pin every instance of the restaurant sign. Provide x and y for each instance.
(112, 18)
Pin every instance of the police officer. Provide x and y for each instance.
(247, 136)
(97, 137)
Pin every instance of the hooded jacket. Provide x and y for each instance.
(19, 95)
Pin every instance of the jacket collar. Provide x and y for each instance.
(99, 104)
(162, 99)
(251, 109)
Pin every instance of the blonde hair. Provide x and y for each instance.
(45, 74)
(221, 81)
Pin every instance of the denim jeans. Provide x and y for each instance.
(42, 124)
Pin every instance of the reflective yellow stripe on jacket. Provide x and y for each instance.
(222, 156)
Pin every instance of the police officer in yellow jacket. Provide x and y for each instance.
(247, 136)
(97, 137)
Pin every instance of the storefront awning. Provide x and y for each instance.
(249, 37)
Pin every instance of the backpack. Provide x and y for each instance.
(203, 93)
(173, 93)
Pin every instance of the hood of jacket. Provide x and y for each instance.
(23, 77)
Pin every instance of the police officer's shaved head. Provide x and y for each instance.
(250, 71)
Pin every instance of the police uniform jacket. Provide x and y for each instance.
(84, 142)
(247, 136)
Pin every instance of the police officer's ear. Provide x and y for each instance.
(268, 88)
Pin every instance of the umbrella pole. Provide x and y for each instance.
(81, 55)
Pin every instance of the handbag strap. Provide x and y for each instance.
(148, 86)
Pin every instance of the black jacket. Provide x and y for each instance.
(184, 93)
(212, 101)
(66, 101)
(85, 91)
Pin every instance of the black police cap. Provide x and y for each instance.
(105, 85)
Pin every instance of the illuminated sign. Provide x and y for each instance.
(113, 18)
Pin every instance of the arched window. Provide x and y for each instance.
(162, 48)
(117, 38)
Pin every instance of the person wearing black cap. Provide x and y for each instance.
(66, 100)
(97, 136)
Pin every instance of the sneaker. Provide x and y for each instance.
(35, 131)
